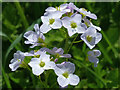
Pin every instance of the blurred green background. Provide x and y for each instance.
(17, 18)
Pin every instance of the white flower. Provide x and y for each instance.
(65, 71)
(84, 12)
(73, 24)
(40, 64)
(88, 23)
(51, 21)
(91, 37)
(62, 9)
(92, 56)
(35, 38)
(17, 60)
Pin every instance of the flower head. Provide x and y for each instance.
(84, 12)
(39, 65)
(50, 21)
(91, 37)
(17, 60)
(58, 52)
(92, 56)
(35, 38)
(62, 9)
(65, 74)
(73, 24)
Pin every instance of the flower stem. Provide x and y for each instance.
(78, 41)
(72, 43)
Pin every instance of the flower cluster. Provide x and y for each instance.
(74, 20)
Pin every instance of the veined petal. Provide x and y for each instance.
(66, 22)
(14, 65)
(97, 53)
(66, 55)
(35, 44)
(31, 36)
(44, 57)
(73, 79)
(45, 28)
(63, 6)
(62, 81)
(80, 29)
(50, 9)
(98, 37)
(49, 65)
(71, 31)
(76, 18)
(36, 27)
(45, 19)
(37, 70)
(57, 24)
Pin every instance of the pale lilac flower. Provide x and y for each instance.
(84, 12)
(35, 38)
(72, 7)
(73, 24)
(89, 24)
(50, 21)
(16, 61)
(92, 56)
(39, 65)
(62, 9)
(91, 37)
(65, 74)
(58, 52)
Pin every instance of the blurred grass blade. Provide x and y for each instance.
(21, 13)
(12, 46)
(6, 78)
(109, 43)
(3, 34)
(78, 63)
(102, 49)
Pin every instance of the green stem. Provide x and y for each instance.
(72, 43)
(78, 41)
(41, 81)
(66, 42)
(21, 13)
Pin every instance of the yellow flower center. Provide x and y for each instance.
(73, 24)
(18, 60)
(51, 21)
(65, 74)
(42, 64)
(40, 40)
(89, 38)
(36, 56)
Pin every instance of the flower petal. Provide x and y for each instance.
(37, 70)
(98, 37)
(49, 65)
(71, 31)
(45, 19)
(50, 9)
(73, 79)
(66, 55)
(66, 22)
(57, 24)
(45, 28)
(62, 81)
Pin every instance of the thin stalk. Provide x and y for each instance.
(72, 43)
(78, 41)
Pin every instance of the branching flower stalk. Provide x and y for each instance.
(75, 21)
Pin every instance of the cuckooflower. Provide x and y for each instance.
(72, 7)
(92, 56)
(65, 74)
(84, 12)
(58, 52)
(62, 9)
(39, 65)
(35, 38)
(91, 37)
(73, 24)
(17, 60)
(89, 23)
(50, 21)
